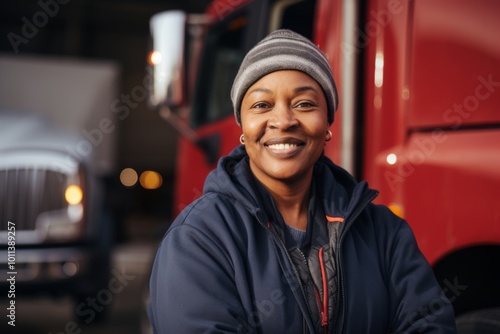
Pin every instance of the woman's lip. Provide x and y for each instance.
(281, 152)
(286, 140)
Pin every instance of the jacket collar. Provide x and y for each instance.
(341, 194)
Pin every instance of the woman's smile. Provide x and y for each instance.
(284, 147)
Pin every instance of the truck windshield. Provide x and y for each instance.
(224, 51)
(221, 59)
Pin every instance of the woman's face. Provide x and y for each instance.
(284, 121)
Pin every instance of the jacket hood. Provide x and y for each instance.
(340, 192)
(233, 178)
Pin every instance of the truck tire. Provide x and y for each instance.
(485, 321)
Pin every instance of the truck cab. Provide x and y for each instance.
(418, 119)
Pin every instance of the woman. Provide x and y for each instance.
(282, 240)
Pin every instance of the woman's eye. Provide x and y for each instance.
(304, 104)
(260, 105)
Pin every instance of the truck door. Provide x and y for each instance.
(211, 116)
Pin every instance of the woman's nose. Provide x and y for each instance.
(282, 117)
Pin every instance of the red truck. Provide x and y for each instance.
(419, 117)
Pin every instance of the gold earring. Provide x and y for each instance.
(242, 139)
(328, 135)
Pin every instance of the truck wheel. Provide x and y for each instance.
(485, 321)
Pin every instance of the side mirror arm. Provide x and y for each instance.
(209, 145)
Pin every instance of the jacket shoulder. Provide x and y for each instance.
(216, 216)
(381, 219)
(208, 207)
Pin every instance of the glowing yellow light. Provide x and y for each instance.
(154, 58)
(396, 209)
(151, 180)
(73, 194)
(128, 177)
(392, 159)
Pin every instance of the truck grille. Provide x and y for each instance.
(25, 193)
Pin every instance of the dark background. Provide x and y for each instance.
(110, 30)
(116, 31)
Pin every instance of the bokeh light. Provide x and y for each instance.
(128, 177)
(392, 159)
(154, 57)
(151, 179)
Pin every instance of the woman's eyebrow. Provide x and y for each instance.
(296, 90)
(304, 89)
(259, 90)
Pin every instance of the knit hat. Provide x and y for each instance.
(284, 50)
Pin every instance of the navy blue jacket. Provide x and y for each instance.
(221, 269)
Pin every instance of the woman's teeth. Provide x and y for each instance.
(282, 146)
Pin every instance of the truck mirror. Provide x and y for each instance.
(177, 38)
(168, 30)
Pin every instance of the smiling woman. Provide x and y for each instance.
(285, 128)
(283, 240)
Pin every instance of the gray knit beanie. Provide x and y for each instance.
(284, 50)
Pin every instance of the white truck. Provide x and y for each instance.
(57, 145)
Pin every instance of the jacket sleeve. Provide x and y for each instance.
(418, 303)
(192, 286)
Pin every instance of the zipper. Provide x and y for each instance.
(359, 208)
(324, 316)
(283, 247)
(324, 312)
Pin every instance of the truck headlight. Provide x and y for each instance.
(73, 194)
(64, 224)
